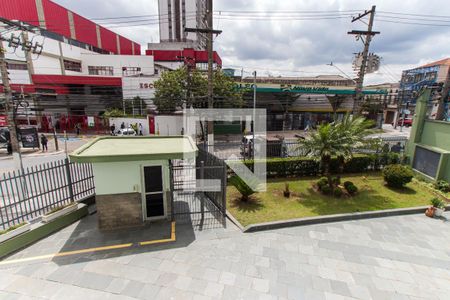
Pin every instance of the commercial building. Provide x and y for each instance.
(431, 74)
(175, 16)
(78, 74)
(295, 103)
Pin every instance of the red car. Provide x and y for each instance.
(407, 123)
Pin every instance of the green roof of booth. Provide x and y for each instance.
(113, 149)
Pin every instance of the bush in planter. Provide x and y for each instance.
(350, 187)
(326, 189)
(337, 192)
(336, 180)
(438, 203)
(397, 175)
(443, 186)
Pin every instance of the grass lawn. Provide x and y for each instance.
(306, 202)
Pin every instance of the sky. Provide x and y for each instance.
(282, 46)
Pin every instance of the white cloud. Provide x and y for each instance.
(301, 47)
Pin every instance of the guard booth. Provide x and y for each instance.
(132, 176)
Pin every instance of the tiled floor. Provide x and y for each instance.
(404, 257)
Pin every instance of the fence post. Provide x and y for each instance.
(224, 194)
(69, 179)
(202, 199)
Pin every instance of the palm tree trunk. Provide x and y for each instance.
(326, 169)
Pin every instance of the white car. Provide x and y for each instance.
(126, 132)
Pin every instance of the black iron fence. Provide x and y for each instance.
(34, 191)
(191, 204)
(292, 148)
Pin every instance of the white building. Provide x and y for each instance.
(175, 15)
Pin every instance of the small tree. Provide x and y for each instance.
(338, 139)
(242, 187)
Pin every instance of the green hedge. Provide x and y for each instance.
(305, 166)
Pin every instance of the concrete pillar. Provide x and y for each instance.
(40, 13)
(418, 121)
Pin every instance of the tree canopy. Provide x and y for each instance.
(180, 86)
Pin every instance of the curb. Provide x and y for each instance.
(336, 218)
(35, 154)
(234, 221)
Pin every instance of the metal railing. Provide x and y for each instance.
(292, 148)
(28, 194)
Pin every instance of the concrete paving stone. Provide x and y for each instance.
(197, 286)
(149, 292)
(295, 292)
(182, 282)
(166, 279)
(341, 288)
(260, 285)
(278, 289)
(227, 278)
(93, 281)
(211, 275)
(133, 289)
(9, 296)
(321, 284)
(117, 285)
(214, 289)
(314, 294)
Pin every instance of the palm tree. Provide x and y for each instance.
(338, 139)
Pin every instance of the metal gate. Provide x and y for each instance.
(189, 205)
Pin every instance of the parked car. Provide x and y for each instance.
(407, 123)
(126, 132)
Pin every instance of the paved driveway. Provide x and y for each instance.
(389, 258)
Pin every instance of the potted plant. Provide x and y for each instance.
(14, 231)
(286, 192)
(59, 211)
(439, 206)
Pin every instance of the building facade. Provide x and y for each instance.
(175, 16)
(79, 73)
(432, 74)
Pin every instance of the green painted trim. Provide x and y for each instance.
(324, 92)
(41, 231)
(77, 155)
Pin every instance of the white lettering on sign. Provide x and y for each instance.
(146, 85)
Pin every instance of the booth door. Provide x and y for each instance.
(154, 192)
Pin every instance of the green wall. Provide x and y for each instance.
(124, 177)
(436, 134)
(431, 134)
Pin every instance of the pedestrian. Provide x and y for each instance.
(140, 130)
(44, 142)
(113, 129)
(122, 126)
(77, 128)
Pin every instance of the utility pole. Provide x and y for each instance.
(209, 31)
(254, 113)
(362, 70)
(9, 108)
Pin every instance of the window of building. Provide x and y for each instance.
(101, 70)
(128, 71)
(70, 65)
(17, 66)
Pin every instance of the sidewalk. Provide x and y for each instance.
(73, 143)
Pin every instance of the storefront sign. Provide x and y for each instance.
(146, 85)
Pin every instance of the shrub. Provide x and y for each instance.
(12, 228)
(397, 175)
(242, 187)
(323, 181)
(336, 180)
(337, 192)
(351, 188)
(438, 203)
(443, 186)
(326, 189)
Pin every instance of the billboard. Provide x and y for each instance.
(29, 137)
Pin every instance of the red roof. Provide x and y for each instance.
(445, 61)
